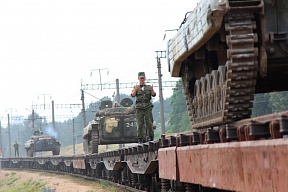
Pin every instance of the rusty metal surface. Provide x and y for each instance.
(262, 119)
(209, 165)
(238, 166)
(268, 126)
(167, 163)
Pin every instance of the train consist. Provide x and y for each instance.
(187, 161)
(225, 51)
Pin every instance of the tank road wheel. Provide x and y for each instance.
(204, 97)
(197, 99)
(94, 139)
(208, 92)
(213, 95)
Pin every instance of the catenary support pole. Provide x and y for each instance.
(161, 54)
(9, 138)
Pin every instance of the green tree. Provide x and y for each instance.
(279, 101)
(156, 110)
(261, 105)
(179, 120)
(184, 123)
(157, 116)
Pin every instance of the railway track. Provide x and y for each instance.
(247, 155)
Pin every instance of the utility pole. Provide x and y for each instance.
(73, 132)
(53, 116)
(44, 98)
(118, 101)
(9, 140)
(33, 128)
(161, 54)
(99, 74)
(1, 152)
(0, 136)
(83, 108)
(117, 91)
(12, 118)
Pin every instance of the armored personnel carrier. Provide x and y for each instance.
(226, 51)
(41, 142)
(112, 125)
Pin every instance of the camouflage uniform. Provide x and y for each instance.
(16, 146)
(144, 110)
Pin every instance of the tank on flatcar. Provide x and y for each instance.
(226, 51)
(112, 125)
(41, 142)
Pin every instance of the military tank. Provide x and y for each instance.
(226, 51)
(113, 124)
(42, 142)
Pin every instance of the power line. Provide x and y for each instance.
(63, 106)
(126, 85)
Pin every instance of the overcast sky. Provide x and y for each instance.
(48, 46)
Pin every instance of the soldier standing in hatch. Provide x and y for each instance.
(16, 146)
(144, 107)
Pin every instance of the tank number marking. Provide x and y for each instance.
(130, 124)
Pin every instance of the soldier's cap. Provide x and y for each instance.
(141, 75)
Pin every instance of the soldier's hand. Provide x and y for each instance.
(152, 91)
(151, 88)
(133, 94)
(137, 87)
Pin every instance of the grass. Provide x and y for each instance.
(11, 181)
(10, 184)
(29, 186)
(105, 185)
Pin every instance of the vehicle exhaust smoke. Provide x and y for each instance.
(49, 130)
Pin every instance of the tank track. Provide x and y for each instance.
(95, 140)
(225, 95)
(92, 145)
